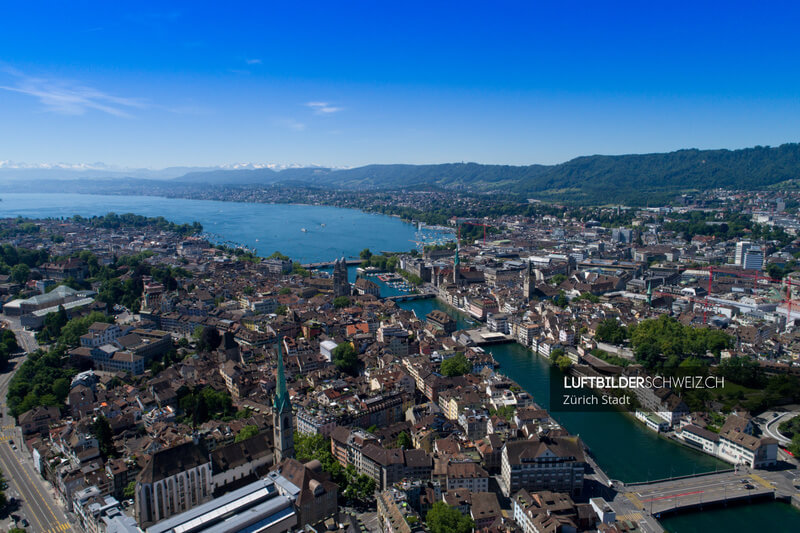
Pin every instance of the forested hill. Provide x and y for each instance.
(633, 178)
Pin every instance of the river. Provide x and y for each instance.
(622, 446)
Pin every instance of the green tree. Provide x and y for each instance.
(241, 414)
(345, 358)
(457, 365)
(506, 411)
(365, 254)
(8, 345)
(555, 354)
(309, 447)
(209, 340)
(794, 446)
(72, 331)
(53, 322)
(20, 273)
(341, 301)
(3, 499)
(359, 486)
(609, 330)
(246, 432)
(298, 269)
(404, 440)
(130, 490)
(560, 299)
(442, 518)
(278, 255)
(101, 429)
(563, 363)
(204, 403)
(664, 342)
(61, 387)
(32, 385)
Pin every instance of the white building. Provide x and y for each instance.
(753, 259)
(326, 349)
(741, 249)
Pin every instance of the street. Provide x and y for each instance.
(37, 504)
(772, 419)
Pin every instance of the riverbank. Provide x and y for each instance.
(625, 449)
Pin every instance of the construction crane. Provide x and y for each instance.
(757, 276)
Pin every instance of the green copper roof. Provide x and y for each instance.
(281, 394)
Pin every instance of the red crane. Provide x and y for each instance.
(756, 276)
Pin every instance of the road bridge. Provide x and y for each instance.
(409, 297)
(327, 264)
(714, 488)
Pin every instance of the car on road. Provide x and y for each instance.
(745, 480)
(25, 522)
(749, 486)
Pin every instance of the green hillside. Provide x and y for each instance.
(635, 179)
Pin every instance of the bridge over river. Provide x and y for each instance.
(328, 264)
(646, 501)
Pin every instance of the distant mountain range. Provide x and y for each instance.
(584, 179)
(581, 179)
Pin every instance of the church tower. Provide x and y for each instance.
(529, 282)
(457, 269)
(283, 429)
(341, 286)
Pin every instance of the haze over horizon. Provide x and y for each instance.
(144, 86)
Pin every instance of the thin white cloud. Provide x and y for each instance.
(255, 61)
(323, 108)
(68, 98)
(292, 124)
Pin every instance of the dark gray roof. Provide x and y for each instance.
(172, 461)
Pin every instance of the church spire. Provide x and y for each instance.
(283, 428)
(281, 394)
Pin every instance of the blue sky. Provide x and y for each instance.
(140, 84)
